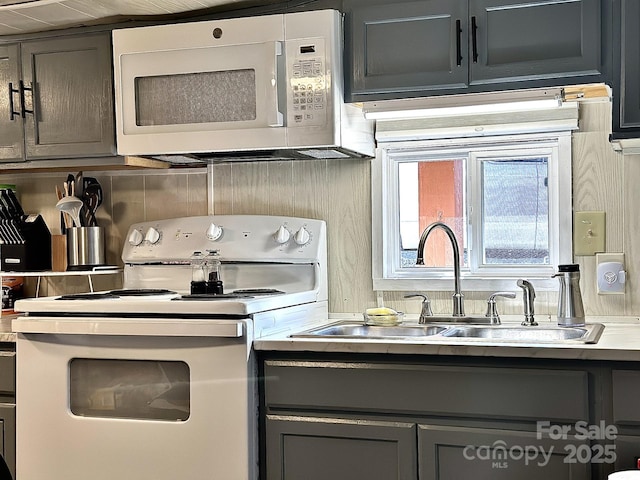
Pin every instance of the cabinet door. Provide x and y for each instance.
(72, 97)
(512, 40)
(626, 95)
(626, 390)
(453, 453)
(313, 448)
(405, 49)
(626, 417)
(627, 452)
(8, 436)
(11, 136)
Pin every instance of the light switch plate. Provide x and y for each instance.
(588, 233)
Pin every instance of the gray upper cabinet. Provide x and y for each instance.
(435, 47)
(406, 47)
(517, 41)
(62, 93)
(626, 78)
(11, 137)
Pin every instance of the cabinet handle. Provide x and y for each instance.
(23, 108)
(474, 38)
(12, 112)
(458, 40)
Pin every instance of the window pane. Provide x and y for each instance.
(203, 97)
(515, 203)
(432, 191)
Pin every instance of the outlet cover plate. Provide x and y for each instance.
(610, 281)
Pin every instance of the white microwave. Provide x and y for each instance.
(268, 85)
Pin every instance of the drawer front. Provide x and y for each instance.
(626, 391)
(504, 393)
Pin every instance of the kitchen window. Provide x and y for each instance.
(507, 198)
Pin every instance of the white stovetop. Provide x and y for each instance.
(165, 305)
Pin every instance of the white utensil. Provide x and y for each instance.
(72, 206)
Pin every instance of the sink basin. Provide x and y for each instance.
(358, 330)
(587, 334)
(474, 333)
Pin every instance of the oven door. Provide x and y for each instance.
(200, 99)
(117, 399)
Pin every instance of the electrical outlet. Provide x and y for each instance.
(588, 233)
(611, 276)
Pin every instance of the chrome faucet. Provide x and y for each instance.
(528, 295)
(492, 308)
(425, 312)
(458, 297)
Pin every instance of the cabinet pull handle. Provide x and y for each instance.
(12, 112)
(458, 40)
(24, 110)
(474, 38)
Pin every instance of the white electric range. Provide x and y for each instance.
(152, 381)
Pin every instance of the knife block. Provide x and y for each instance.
(32, 255)
(59, 253)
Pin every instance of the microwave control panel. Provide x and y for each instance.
(309, 82)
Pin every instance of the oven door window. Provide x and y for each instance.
(136, 389)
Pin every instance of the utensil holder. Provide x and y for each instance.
(85, 248)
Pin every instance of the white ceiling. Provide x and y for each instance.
(25, 16)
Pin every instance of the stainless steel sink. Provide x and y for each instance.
(358, 330)
(587, 334)
(474, 333)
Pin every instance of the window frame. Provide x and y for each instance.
(387, 275)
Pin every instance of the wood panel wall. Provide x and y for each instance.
(339, 191)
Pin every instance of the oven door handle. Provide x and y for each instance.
(154, 327)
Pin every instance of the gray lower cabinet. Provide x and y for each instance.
(58, 98)
(435, 47)
(8, 407)
(316, 448)
(381, 420)
(451, 453)
(626, 418)
(8, 435)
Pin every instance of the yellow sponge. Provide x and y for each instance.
(381, 311)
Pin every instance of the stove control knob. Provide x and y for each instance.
(282, 235)
(152, 236)
(214, 232)
(302, 236)
(135, 238)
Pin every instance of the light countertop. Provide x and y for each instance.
(620, 340)
(6, 334)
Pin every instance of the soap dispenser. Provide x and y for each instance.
(570, 309)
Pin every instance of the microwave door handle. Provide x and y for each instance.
(275, 118)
